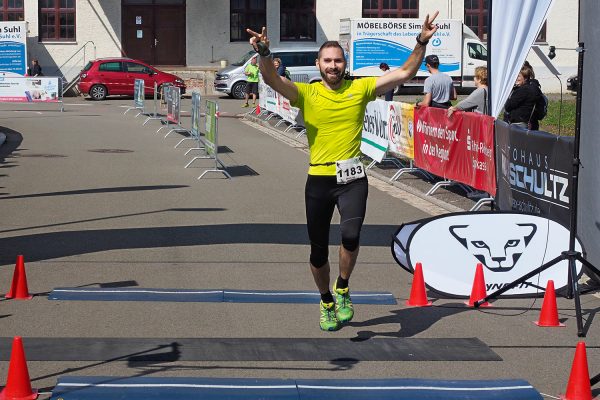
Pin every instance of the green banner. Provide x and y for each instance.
(211, 127)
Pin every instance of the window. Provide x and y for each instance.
(298, 59)
(298, 21)
(114, 66)
(476, 17)
(246, 14)
(390, 8)
(57, 20)
(477, 51)
(138, 68)
(12, 10)
(542, 36)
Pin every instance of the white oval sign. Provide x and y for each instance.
(509, 246)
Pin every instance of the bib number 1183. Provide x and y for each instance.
(349, 170)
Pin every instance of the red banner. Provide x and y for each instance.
(460, 148)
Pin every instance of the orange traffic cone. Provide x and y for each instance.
(549, 313)
(18, 386)
(418, 297)
(478, 291)
(579, 387)
(18, 288)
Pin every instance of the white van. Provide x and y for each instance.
(299, 61)
(371, 41)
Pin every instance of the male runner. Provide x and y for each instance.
(333, 114)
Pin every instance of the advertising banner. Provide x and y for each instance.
(38, 89)
(262, 94)
(375, 132)
(286, 111)
(138, 93)
(391, 40)
(534, 172)
(211, 128)
(508, 245)
(460, 148)
(13, 48)
(195, 130)
(271, 99)
(174, 105)
(401, 129)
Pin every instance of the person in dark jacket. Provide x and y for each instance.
(518, 109)
(35, 69)
(389, 95)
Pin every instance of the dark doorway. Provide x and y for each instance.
(154, 31)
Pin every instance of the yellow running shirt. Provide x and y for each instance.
(334, 120)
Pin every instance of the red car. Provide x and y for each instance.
(112, 76)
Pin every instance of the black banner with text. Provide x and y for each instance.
(534, 172)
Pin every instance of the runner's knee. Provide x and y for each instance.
(318, 255)
(351, 233)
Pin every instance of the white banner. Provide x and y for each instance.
(38, 89)
(374, 135)
(509, 246)
(262, 94)
(13, 48)
(515, 26)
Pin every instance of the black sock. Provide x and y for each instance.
(327, 297)
(341, 283)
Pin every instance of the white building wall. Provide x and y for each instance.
(208, 41)
(98, 21)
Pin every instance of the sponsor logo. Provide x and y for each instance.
(498, 251)
(394, 125)
(436, 42)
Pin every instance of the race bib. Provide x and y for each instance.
(349, 170)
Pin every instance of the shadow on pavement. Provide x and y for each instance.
(412, 321)
(44, 246)
(97, 190)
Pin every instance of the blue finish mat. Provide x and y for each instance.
(209, 295)
(109, 388)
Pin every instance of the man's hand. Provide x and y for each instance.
(259, 41)
(429, 27)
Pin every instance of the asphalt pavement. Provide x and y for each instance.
(94, 199)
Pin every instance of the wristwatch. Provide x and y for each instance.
(422, 42)
(262, 49)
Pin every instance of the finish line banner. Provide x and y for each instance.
(534, 174)
(460, 148)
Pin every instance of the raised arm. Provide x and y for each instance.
(285, 87)
(411, 66)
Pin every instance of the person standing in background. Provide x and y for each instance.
(251, 73)
(478, 99)
(35, 69)
(389, 95)
(439, 88)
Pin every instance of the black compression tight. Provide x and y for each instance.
(322, 194)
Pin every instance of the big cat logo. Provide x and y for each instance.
(498, 251)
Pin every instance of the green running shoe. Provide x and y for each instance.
(344, 310)
(328, 320)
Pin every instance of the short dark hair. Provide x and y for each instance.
(328, 44)
(384, 66)
(432, 60)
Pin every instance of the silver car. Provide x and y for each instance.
(299, 61)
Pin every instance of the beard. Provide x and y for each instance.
(332, 76)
